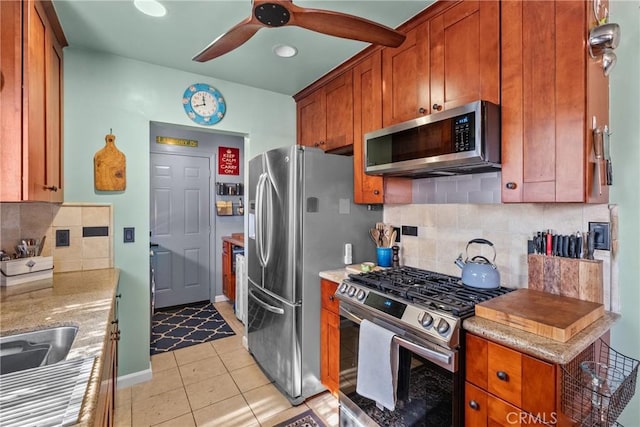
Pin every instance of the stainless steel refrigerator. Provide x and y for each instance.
(301, 215)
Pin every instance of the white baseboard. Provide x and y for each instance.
(129, 380)
(220, 298)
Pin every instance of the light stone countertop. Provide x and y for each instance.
(336, 276)
(539, 346)
(81, 299)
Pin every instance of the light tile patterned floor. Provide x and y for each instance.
(214, 384)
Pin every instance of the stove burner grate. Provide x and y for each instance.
(433, 290)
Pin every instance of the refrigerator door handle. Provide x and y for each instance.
(269, 203)
(259, 219)
(268, 307)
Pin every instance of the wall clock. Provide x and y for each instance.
(204, 104)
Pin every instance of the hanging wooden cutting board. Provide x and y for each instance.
(553, 316)
(109, 167)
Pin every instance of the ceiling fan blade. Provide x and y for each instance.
(230, 40)
(345, 26)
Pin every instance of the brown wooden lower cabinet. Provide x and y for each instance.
(505, 387)
(228, 273)
(105, 410)
(329, 337)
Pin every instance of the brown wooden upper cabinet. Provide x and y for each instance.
(552, 91)
(449, 59)
(405, 75)
(325, 117)
(367, 116)
(31, 100)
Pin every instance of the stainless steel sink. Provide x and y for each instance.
(38, 348)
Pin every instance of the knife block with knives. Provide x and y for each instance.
(571, 277)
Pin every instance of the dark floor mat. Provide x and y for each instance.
(180, 327)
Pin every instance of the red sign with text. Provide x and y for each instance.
(228, 161)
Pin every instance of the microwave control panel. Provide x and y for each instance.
(463, 133)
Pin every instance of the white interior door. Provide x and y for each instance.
(181, 228)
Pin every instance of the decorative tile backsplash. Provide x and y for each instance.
(474, 188)
(445, 229)
(34, 220)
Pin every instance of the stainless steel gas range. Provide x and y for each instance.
(424, 310)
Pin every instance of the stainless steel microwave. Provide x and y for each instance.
(461, 140)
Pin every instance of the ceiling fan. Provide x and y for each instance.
(278, 13)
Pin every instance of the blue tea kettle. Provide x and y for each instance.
(479, 272)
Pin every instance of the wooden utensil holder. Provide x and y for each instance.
(576, 278)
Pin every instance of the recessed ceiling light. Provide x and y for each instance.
(285, 51)
(150, 7)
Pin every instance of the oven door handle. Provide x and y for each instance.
(425, 352)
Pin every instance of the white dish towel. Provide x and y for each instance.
(377, 365)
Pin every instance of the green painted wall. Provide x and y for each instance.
(625, 152)
(105, 92)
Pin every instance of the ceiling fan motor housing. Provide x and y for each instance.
(272, 14)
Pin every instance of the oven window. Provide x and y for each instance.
(425, 393)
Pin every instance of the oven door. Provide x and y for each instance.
(430, 386)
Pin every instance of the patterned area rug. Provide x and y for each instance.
(305, 419)
(179, 327)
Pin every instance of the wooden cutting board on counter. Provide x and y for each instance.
(552, 316)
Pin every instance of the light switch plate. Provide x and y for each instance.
(129, 234)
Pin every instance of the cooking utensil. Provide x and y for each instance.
(607, 155)
(597, 152)
(591, 244)
(380, 228)
(375, 236)
(479, 272)
(392, 239)
(40, 246)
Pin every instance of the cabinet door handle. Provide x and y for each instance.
(474, 405)
(437, 107)
(511, 185)
(376, 192)
(331, 298)
(502, 376)
(421, 110)
(51, 188)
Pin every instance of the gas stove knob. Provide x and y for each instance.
(427, 320)
(352, 291)
(343, 288)
(443, 327)
(360, 295)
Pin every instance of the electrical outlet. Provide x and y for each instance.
(62, 238)
(409, 230)
(603, 236)
(398, 232)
